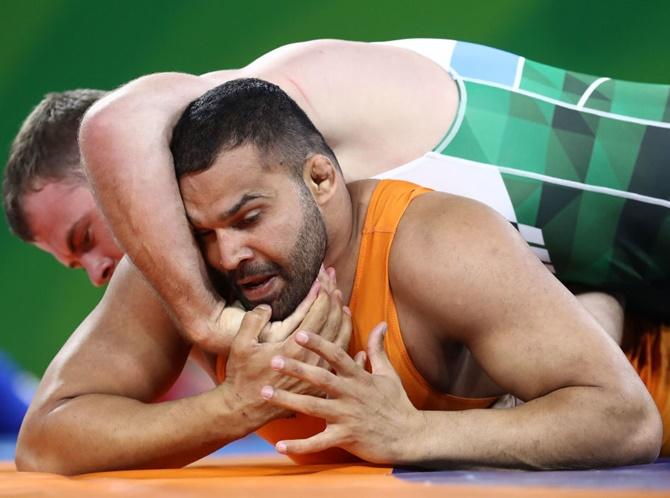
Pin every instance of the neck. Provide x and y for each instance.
(345, 235)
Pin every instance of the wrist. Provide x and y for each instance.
(248, 409)
(198, 319)
(414, 446)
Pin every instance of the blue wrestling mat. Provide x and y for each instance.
(654, 476)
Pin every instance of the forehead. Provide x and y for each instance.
(234, 173)
(53, 209)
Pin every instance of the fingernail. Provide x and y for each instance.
(264, 307)
(384, 329)
(281, 447)
(277, 363)
(267, 392)
(301, 338)
(346, 310)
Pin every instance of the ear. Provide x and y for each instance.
(320, 176)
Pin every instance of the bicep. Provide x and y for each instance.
(127, 346)
(526, 330)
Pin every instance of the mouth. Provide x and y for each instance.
(258, 287)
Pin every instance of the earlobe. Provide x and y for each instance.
(320, 176)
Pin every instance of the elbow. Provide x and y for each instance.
(647, 433)
(31, 460)
(641, 435)
(30, 454)
(37, 458)
(36, 451)
(26, 460)
(100, 129)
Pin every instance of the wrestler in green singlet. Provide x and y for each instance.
(580, 164)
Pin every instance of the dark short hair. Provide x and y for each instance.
(44, 150)
(240, 112)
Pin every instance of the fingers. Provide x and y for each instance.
(379, 361)
(337, 357)
(315, 376)
(318, 313)
(346, 328)
(303, 403)
(334, 319)
(319, 442)
(360, 359)
(279, 331)
(328, 279)
(299, 314)
(252, 325)
(230, 321)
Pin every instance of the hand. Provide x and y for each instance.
(367, 414)
(226, 320)
(280, 330)
(247, 366)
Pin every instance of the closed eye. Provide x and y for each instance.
(201, 233)
(82, 238)
(249, 220)
(86, 240)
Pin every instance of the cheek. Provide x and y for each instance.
(279, 240)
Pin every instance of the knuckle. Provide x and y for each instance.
(323, 378)
(295, 367)
(235, 349)
(313, 404)
(339, 355)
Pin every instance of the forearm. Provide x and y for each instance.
(577, 427)
(98, 432)
(125, 150)
(147, 226)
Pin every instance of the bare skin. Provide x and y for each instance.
(143, 321)
(133, 126)
(400, 124)
(100, 407)
(66, 223)
(571, 375)
(92, 414)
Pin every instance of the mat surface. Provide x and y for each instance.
(277, 477)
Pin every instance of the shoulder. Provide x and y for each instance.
(452, 258)
(307, 52)
(448, 225)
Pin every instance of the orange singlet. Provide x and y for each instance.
(649, 353)
(372, 302)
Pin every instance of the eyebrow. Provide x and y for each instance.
(246, 198)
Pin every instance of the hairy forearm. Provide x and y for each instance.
(97, 432)
(577, 427)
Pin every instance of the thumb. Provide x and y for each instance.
(279, 331)
(378, 359)
(360, 359)
(252, 324)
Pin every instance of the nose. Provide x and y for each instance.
(232, 249)
(99, 268)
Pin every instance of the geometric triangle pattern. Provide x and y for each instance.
(585, 160)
